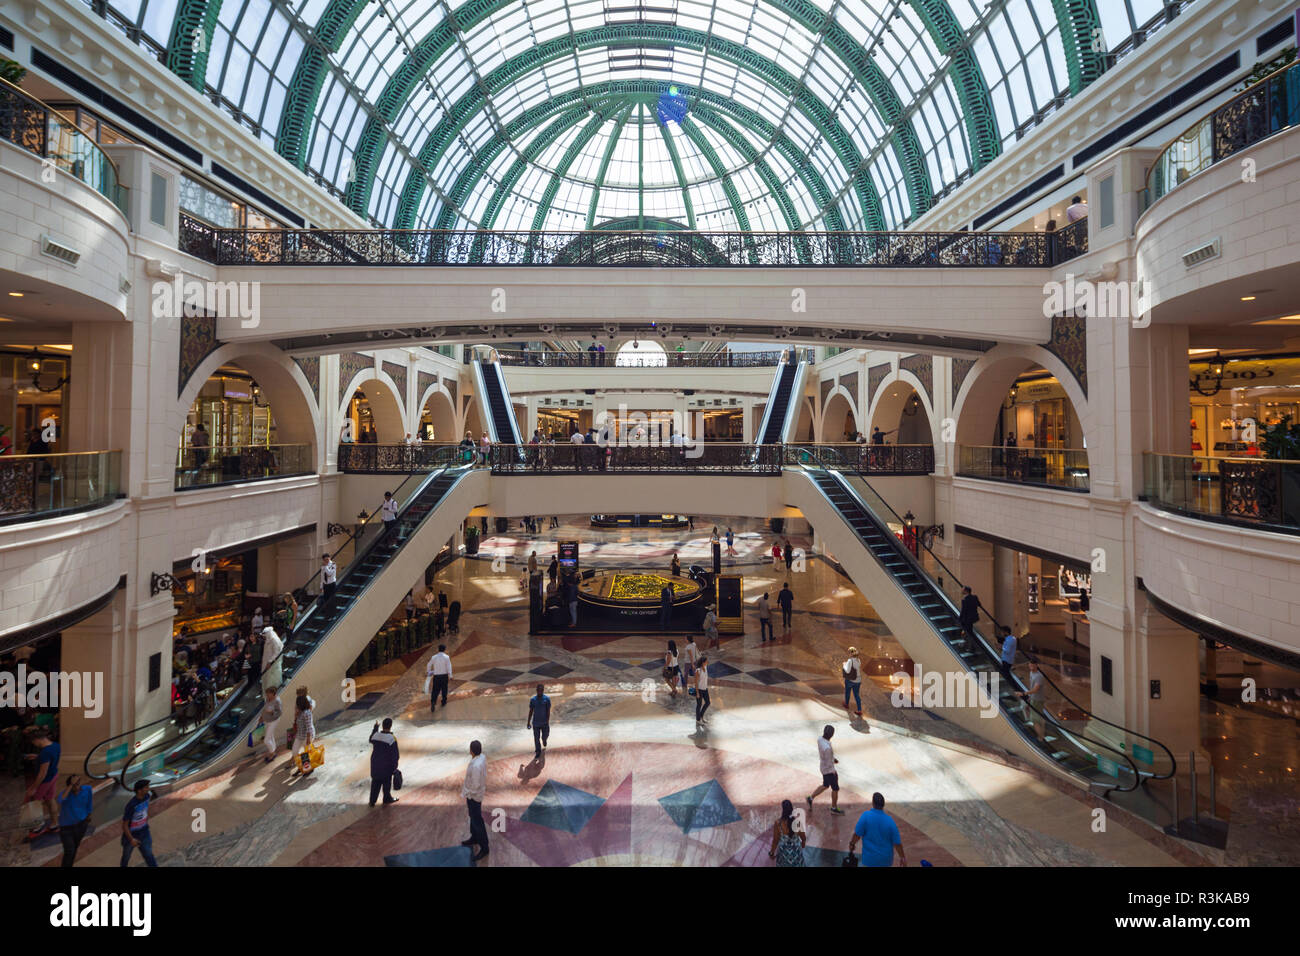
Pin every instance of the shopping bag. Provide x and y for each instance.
(428, 683)
(257, 735)
(317, 754)
(397, 779)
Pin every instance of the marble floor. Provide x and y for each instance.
(629, 778)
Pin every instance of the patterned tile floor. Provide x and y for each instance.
(628, 777)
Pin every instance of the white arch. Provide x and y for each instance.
(907, 378)
(839, 391)
(297, 414)
(454, 430)
(979, 400)
(397, 425)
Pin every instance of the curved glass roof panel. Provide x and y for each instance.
(551, 113)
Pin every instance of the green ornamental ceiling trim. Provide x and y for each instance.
(708, 118)
(719, 170)
(191, 39)
(649, 90)
(637, 36)
(1082, 38)
(604, 162)
(972, 90)
(671, 143)
(309, 78)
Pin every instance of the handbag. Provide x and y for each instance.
(850, 860)
(397, 779)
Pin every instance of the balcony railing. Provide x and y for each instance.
(1049, 467)
(721, 458)
(1251, 492)
(42, 486)
(363, 458)
(28, 123)
(867, 459)
(228, 464)
(584, 359)
(432, 247)
(1266, 108)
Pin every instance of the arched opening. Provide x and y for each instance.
(438, 419)
(1019, 422)
(375, 413)
(804, 431)
(641, 354)
(839, 424)
(248, 420)
(901, 417)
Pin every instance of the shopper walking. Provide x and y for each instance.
(788, 840)
(571, 599)
(879, 835)
(76, 802)
(702, 700)
(439, 674)
(672, 670)
(474, 789)
(1036, 699)
(388, 513)
(304, 733)
(788, 550)
(690, 653)
(830, 776)
(785, 600)
(44, 782)
(711, 626)
(135, 824)
(665, 606)
(731, 543)
(852, 668)
(384, 757)
(764, 619)
(675, 566)
(272, 711)
(539, 719)
(272, 665)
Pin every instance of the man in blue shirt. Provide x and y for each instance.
(879, 835)
(539, 719)
(135, 825)
(1008, 652)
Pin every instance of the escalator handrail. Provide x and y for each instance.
(176, 746)
(217, 713)
(1079, 738)
(1173, 762)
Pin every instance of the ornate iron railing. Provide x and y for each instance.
(431, 247)
(722, 458)
(1264, 109)
(585, 359)
(223, 464)
(366, 459)
(1253, 492)
(867, 459)
(28, 123)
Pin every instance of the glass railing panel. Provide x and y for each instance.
(227, 464)
(35, 486)
(1247, 491)
(1049, 467)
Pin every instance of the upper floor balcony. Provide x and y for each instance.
(33, 487)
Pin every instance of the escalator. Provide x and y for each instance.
(498, 412)
(918, 599)
(782, 410)
(325, 639)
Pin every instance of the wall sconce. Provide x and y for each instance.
(34, 363)
(160, 582)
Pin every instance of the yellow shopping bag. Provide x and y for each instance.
(316, 754)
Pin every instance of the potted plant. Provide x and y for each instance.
(471, 540)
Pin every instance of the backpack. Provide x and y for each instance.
(851, 670)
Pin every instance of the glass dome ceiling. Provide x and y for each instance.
(569, 114)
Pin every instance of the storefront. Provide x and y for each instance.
(561, 423)
(216, 598)
(33, 396)
(362, 417)
(723, 425)
(1234, 400)
(1038, 414)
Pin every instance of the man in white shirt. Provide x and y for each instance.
(329, 573)
(474, 790)
(439, 670)
(689, 656)
(1078, 209)
(830, 777)
(258, 622)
